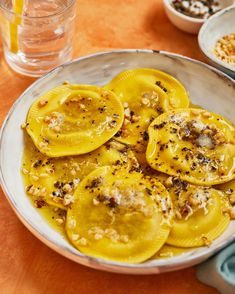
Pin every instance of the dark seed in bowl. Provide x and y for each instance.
(197, 8)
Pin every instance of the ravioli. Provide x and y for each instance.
(200, 213)
(145, 94)
(126, 171)
(196, 145)
(53, 180)
(119, 215)
(74, 119)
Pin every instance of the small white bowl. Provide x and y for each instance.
(217, 26)
(186, 23)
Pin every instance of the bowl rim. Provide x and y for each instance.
(204, 49)
(93, 262)
(181, 15)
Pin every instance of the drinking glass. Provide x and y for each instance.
(37, 34)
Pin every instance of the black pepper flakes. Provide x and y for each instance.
(118, 134)
(112, 203)
(160, 126)
(39, 203)
(149, 192)
(159, 84)
(95, 183)
(37, 163)
(145, 136)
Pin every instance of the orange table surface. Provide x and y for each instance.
(26, 264)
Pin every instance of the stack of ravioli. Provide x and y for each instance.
(130, 167)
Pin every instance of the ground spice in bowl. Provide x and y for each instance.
(196, 8)
(225, 49)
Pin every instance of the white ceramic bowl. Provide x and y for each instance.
(186, 23)
(217, 26)
(199, 79)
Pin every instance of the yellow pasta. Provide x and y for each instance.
(117, 214)
(126, 171)
(200, 213)
(73, 119)
(145, 94)
(53, 180)
(196, 145)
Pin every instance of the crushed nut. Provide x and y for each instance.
(71, 223)
(35, 178)
(23, 126)
(124, 238)
(168, 182)
(43, 145)
(25, 171)
(166, 254)
(82, 241)
(98, 236)
(42, 103)
(68, 199)
(73, 172)
(60, 221)
(43, 175)
(206, 114)
(75, 237)
(135, 118)
(95, 202)
(206, 241)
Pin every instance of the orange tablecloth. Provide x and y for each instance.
(27, 265)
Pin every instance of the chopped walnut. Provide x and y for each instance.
(206, 114)
(23, 125)
(145, 101)
(60, 221)
(206, 241)
(98, 236)
(43, 175)
(25, 171)
(71, 223)
(68, 199)
(95, 202)
(75, 237)
(73, 172)
(166, 254)
(82, 241)
(168, 182)
(43, 145)
(124, 238)
(35, 178)
(42, 103)
(135, 118)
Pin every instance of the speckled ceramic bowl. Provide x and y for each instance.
(199, 79)
(217, 26)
